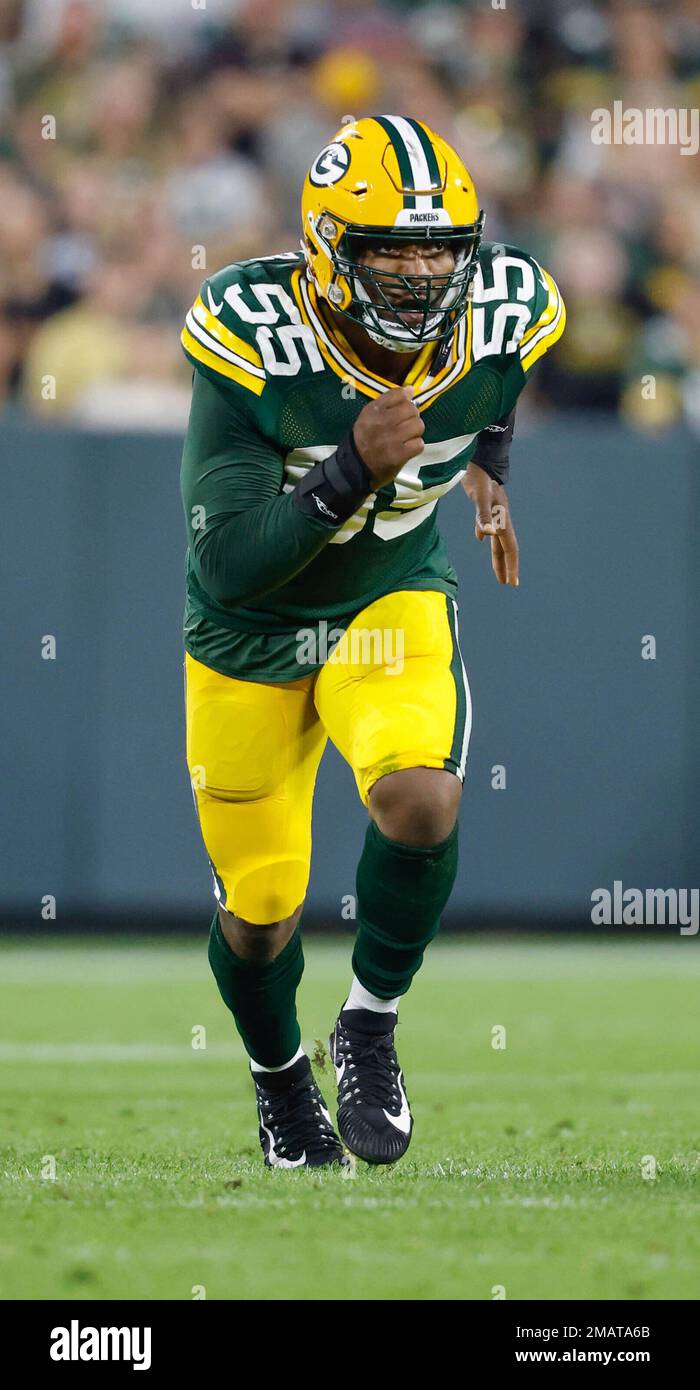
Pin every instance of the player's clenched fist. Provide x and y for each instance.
(388, 432)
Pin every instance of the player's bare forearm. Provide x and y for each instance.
(493, 519)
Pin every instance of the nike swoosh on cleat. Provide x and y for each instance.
(401, 1121)
(281, 1162)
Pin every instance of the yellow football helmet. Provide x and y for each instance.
(383, 180)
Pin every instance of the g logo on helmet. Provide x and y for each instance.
(330, 165)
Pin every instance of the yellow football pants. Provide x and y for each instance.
(393, 694)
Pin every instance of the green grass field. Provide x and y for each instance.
(526, 1168)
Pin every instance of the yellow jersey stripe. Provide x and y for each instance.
(548, 313)
(218, 348)
(546, 339)
(420, 369)
(223, 335)
(200, 353)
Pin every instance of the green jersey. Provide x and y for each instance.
(276, 387)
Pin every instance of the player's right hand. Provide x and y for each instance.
(388, 432)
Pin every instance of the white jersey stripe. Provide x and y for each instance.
(542, 332)
(218, 348)
(468, 698)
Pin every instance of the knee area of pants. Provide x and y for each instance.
(270, 893)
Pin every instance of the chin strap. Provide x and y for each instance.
(393, 344)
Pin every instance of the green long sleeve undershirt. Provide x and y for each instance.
(254, 538)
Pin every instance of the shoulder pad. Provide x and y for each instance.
(219, 336)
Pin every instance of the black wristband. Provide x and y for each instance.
(333, 489)
(493, 448)
(498, 471)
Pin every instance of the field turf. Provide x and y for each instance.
(525, 1172)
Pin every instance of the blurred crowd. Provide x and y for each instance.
(145, 143)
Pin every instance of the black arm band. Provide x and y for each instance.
(333, 489)
(493, 448)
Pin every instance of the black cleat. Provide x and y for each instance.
(296, 1130)
(374, 1117)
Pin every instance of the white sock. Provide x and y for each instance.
(360, 998)
(255, 1066)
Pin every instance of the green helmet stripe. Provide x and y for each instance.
(430, 157)
(404, 162)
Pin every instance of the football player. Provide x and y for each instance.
(338, 393)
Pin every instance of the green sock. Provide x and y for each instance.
(260, 997)
(401, 892)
